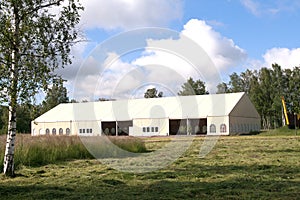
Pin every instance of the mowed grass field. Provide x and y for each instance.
(238, 167)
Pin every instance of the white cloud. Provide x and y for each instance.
(186, 62)
(95, 79)
(252, 6)
(260, 8)
(166, 64)
(125, 14)
(286, 58)
(223, 51)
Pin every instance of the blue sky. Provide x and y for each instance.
(236, 34)
(255, 28)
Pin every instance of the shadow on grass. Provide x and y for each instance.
(239, 188)
(203, 182)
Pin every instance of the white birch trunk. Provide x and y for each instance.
(10, 144)
(8, 169)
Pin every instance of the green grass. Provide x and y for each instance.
(241, 167)
(283, 131)
(42, 150)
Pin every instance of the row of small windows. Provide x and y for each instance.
(60, 131)
(88, 130)
(212, 129)
(150, 129)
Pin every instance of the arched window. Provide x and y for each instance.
(47, 131)
(68, 131)
(212, 128)
(61, 131)
(53, 131)
(41, 131)
(223, 128)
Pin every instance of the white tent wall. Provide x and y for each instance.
(218, 125)
(150, 127)
(244, 108)
(51, 128)
(244, 125)
(87, 128)
(244, 117)
(229, 113)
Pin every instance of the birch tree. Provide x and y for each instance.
(33, 43)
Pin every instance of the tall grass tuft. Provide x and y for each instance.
(114, 147)
(42, 150)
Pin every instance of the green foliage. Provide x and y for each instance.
(33, 43)
(236, 83)
(153, 93)
(265, 88)
(192, 87)
(55, 95)
(23, 118)
(222, 88)
(3, 119)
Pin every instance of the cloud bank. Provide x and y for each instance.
(127, 14)
(165, 70)
(286, 58)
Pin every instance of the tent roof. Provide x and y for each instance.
(179, 107)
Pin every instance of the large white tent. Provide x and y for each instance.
(221, 114)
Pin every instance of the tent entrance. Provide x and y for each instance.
(177, 127)
(123, 127)
(108, 128)
(188, 126)
(198, 126)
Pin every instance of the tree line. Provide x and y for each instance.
(265, 87)
(26, 112)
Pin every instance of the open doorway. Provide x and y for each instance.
(109, 128)
(198, 126)
(177, 127)
(123, 127)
